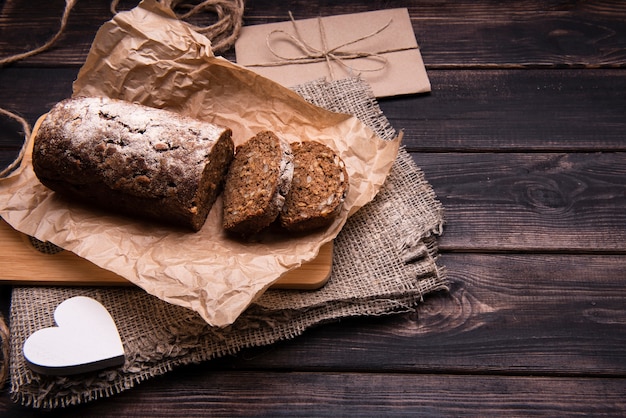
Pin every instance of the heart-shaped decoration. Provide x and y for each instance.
(85, 339)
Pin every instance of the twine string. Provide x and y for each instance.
(27, 132)
(69, 4)
(312, 54)
(223, 33)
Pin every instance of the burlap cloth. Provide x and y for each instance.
(384, 262)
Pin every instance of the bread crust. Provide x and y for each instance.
(133, 159)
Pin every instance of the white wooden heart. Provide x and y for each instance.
(85, 339)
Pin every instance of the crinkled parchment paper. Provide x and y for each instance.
(148, 56)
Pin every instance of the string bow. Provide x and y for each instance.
(312, 54)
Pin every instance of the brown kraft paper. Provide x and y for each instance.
(148, 56)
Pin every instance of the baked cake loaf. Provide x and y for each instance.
(133, 159)
(318, 189)
(256, 184)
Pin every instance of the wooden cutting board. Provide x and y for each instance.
(22, 263)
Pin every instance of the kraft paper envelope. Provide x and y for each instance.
(379, 46)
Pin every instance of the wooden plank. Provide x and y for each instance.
(511, 110)
(28, 92)
(31, 92)
(201, 391)
(557, 202)
(543, 315)
(468, 111)
(463, 34)
(519, 333)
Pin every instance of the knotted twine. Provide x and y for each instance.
(312, 54)
(222, 33)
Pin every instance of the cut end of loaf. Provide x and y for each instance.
(318, 190)
(256, 184)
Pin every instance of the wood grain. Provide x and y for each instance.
(241, 393)
(513, 110)
(524, 141)
(550, 34)
(21, 263)
(557, 202)
(543, 315)
(468, 111)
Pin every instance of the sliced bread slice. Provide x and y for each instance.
(257, 182)
(318, 189)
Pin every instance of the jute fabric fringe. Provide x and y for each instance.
(384, 262)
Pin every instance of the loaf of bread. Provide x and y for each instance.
(318, 189)
(133, 159)
(256, 185)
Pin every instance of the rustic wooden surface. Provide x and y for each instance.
(524, 141)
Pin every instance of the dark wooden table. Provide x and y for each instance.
(524, 141)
